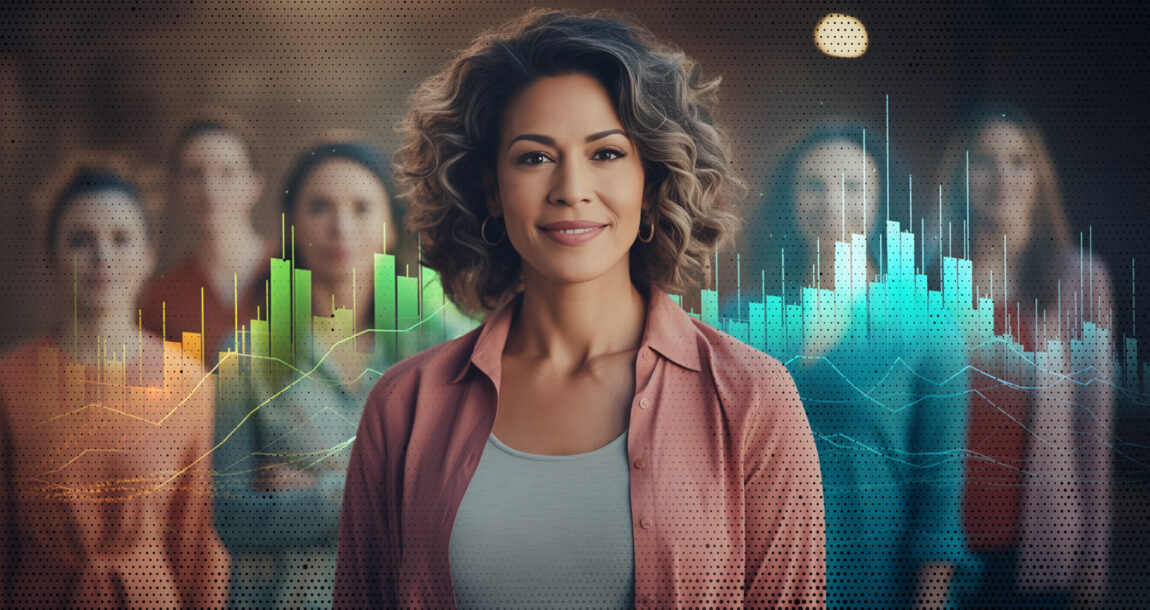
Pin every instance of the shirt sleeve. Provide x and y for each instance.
(785, 528)
(251, 519)
(368, 550)
(201, 563)
(937, 442)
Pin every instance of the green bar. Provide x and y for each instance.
(385, 344)
(407, 314)
(302, 314)
(677, 299)
(259, 344)
(433, 329)
(279, 317)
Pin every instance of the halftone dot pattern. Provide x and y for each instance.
(1031, 485)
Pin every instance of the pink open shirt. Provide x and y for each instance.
(726, 495)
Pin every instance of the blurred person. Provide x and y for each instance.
(885, 432)
(591, 444)
(284, 443)
(105, 440)
(1037, 499)
(215, 184)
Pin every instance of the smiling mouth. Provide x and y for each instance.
(573, 231)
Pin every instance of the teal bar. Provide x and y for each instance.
(739, 330)
(301, 311)
(950, 289)
(757, 328)
(794, 326)
(773, 312)
(677, 299)
(279, 317)
(842, 268)
(1131, 363)
(710, 307)
(893, 253)
(385, 318)
(907, 258)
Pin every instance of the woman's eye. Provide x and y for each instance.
(361, 208)
(811, 185)
(607, 154)
(533, 158)
(120, 238)
(317, 206)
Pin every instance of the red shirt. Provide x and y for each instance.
(179, 288)
(726, 492)
(992, 502)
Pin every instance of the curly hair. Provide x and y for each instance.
(451, 132)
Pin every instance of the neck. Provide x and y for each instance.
(86, 336)
(229, 245)
(573, 323)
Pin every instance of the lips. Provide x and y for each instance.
(572, 232)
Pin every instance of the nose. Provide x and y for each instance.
(343, 223)
(571, 186)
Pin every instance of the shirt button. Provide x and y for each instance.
(645, 404)
(646, 355)
(644, 599)
(646, 523)
(640, 463)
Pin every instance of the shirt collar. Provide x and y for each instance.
(669, 331)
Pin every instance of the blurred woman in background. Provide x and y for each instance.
(1037, 501)
(105, 440)
(887, 434)
(285, 441)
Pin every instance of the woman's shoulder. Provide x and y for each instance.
(438, 364)
(746, 379)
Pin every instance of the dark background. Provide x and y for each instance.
(120, 75)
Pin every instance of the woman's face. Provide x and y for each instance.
(1003, 179)
(339, 218)
(569, 181)
(216, 182)
(103, 241)
(822, 177)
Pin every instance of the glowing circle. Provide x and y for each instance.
(841, 35)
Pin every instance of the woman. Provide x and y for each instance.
(591, 443)
(105, 439)
(1037, 504)
(867, 364)
(284, 444)
(215, 185)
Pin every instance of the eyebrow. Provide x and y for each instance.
(548, 141)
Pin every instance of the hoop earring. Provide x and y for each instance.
(483, 233)
(650, 236)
